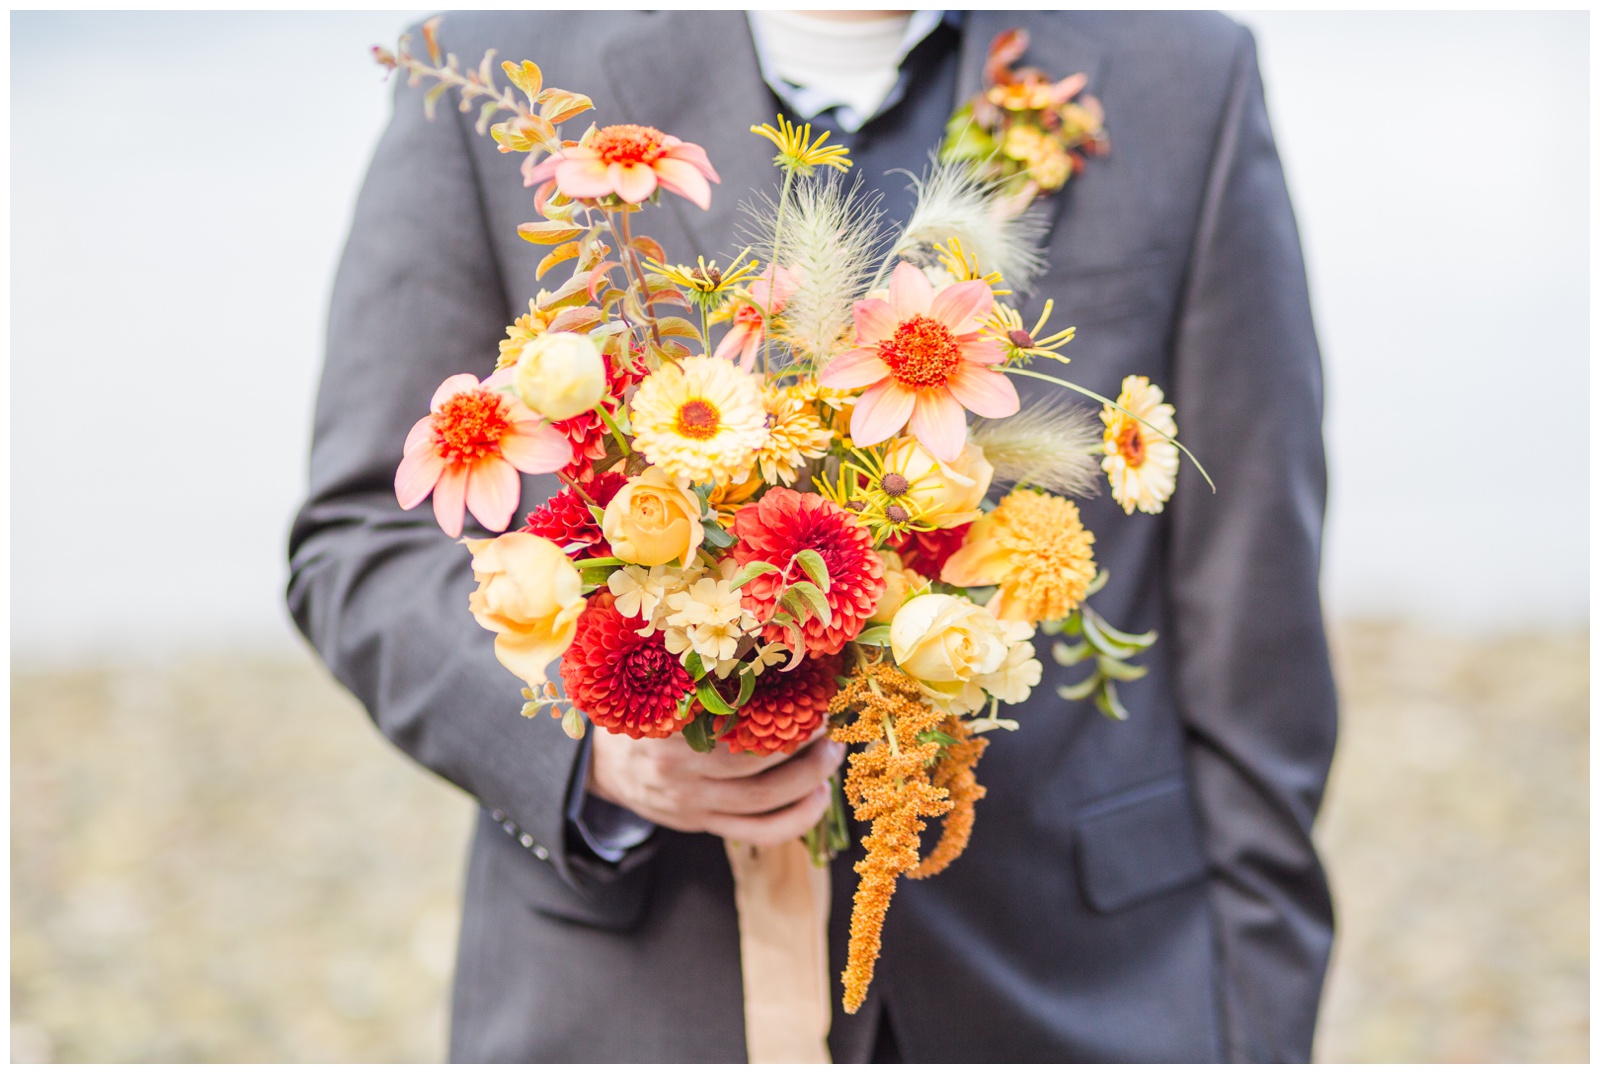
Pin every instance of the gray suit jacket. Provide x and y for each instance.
(1142, 891)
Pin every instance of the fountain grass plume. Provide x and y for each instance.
(1050, 443)
(954, 201)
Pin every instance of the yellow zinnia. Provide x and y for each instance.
(1034, 547)
(700, 419)
(1141, 461)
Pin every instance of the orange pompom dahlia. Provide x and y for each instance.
(786, 707)
(784, 522)
(623, 682)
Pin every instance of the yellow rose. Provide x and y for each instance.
(946, 493)
(898, 580)
(560, 375)
(530, 595)
(944, 642)
(654, 519)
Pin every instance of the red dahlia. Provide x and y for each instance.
(786, 707)
(926, 552)
(624, 683)
(782, 523)
(566, 518)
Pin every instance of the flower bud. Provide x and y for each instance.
(560, 375)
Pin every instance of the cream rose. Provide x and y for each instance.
(1013, 681)
(654, 519)
(560, 375)
(898, 581)
(530, 595)
(944, 642)
(947, 493)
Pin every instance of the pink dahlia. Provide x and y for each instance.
(781, 524)
(468, 450)
(772, 291)
(921, 359)
(630, 161)
(567, 520)
(786, 707)
(621, 681)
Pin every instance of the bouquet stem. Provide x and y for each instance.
(830, 834)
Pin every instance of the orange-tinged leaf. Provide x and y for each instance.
(430, 36)
(558, 105)
(565, 252)
(677, 326)
(601, 274)
(581, 319)
(650, 248)
(526, 77)
(669, 294)
(548, 232)
(533, 127)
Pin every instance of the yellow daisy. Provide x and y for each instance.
(1142, 462)
(794, 434)
(701, 419)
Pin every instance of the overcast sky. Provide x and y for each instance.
(175, 229)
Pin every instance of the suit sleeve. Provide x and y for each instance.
(1252, 666)
(381, 593)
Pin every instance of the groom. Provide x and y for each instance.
(1143, 891)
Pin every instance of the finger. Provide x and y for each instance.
(778, 786)
(771, 829)
(724, 764)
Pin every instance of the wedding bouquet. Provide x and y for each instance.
(775, 513)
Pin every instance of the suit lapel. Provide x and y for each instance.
(1053, 47)
(693, 74)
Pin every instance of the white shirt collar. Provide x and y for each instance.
(854, 67)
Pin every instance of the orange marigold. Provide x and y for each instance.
(1034, 547)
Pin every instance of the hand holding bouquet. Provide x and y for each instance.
(776, 513)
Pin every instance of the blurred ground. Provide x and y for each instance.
(223, 862)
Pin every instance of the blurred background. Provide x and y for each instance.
(214, 857)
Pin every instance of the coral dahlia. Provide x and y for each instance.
(630, 161)
(567, 520)
(625, 683)
(786, 707)
(781, 524)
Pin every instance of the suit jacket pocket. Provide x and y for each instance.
(1137, 844)
(602, 898)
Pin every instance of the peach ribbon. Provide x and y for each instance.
(782, 901)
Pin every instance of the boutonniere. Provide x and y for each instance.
(1023, 128)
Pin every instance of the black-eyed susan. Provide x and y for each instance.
(797, 153)
(1004, 326)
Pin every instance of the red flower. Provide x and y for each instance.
(782, 523)
(566, 519)
(786, 707)
(925, 553)
(624, 683)
(587, 432)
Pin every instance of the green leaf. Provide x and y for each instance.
(601, 561)
(1113, 668)
(1099, 583)
(816, 569)
(878, 635)
(698, 734)
(815, 599)
(747, 686)
(1079, 691)
(1069, 655)
(716, 536)
(706, 691)
(1108, 702)
(1102, 644)
(1138, 641)
(694, 665)
(796, 604)
(549, 232)
(751, 571)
